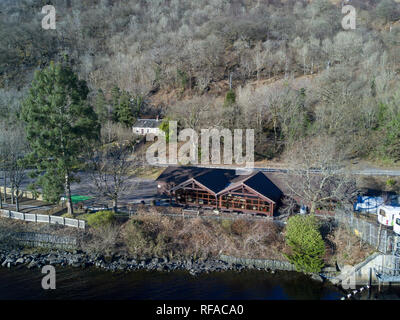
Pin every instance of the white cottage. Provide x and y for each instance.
(145, 126)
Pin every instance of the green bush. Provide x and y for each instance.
(306, 243)
(230, 98)
(390, 183)
(100, 218)
(226, 225)
(144, 237)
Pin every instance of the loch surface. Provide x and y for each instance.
(93, 284)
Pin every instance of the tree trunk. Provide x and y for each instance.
(5, 186)
(1, 199)
(68, 195)
(115, 205)
(12, 194)
(17, 200)
(312, 209)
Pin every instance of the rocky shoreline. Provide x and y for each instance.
(80, 259)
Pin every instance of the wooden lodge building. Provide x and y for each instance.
(220, 189)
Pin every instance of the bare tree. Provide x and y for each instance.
(317, 175)
(111, 168)
(18, 148)
(3, 160)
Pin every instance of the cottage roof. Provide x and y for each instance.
(147, 123)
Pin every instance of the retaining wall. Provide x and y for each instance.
(260, 263)
(33, 239)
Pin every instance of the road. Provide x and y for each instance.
(364, 172)
(138, 189)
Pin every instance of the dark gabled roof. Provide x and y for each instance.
(260, 183)
(176, 175)
(218, 180)
(147, 123)
(213, 179)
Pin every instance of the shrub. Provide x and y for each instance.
(148, 235)
(240, 227)
(230, 98)
(104, 239)
(306, 243)
(101, 218)
(226, 225)
(390, 183)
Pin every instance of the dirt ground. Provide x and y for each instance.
(35, 206)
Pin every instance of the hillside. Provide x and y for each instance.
(296, 74)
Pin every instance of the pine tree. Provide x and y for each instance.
(59, 121)
(115, 95)
(101, 106)
(230, 98)
(124, 112)
(306, 243)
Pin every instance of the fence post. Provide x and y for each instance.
(385, 248)
(370, 234)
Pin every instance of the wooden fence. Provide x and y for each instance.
(33, 217)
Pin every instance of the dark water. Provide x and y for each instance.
(93, 284)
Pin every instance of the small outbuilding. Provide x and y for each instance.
(145, 126)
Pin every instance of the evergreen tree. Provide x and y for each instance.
(123, 111)
(388, 10)
(165, 128)
(101, 106)
(59, 121)
(230, 98)
(115, 96)
(306, 243)
(137, 105)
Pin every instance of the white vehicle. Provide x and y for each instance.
(368, 204)
(386, 214)
(396, 225)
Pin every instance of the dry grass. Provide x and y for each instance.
(148, 172)
(104, 240)
(149, 233)
(346, 248)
